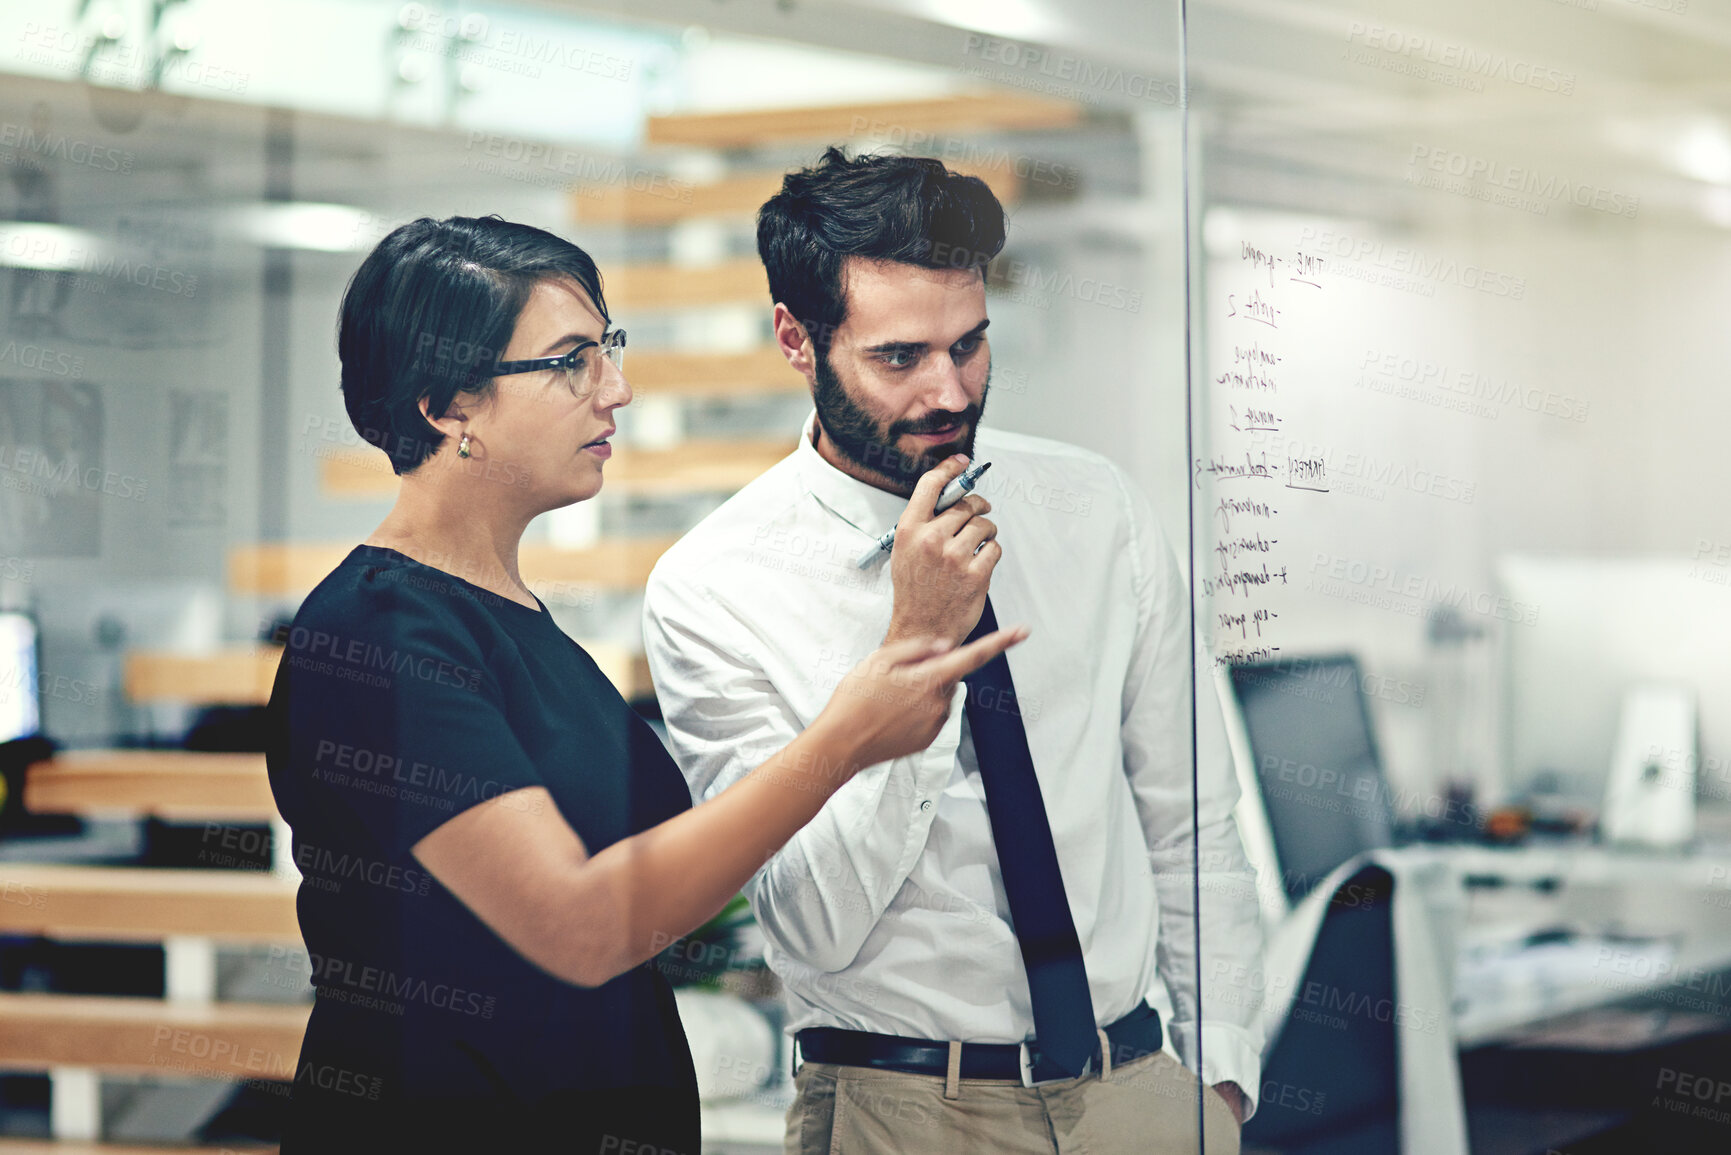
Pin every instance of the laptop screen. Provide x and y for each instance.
(20, 704)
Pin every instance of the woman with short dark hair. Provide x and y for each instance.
(493, 845)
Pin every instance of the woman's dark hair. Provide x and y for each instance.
(886, 208)
(428, 314)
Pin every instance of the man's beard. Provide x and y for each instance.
(858, 437)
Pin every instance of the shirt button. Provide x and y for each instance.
(925, 804)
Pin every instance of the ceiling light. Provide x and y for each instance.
(324, 228)
(32, 245)
(1704, 152)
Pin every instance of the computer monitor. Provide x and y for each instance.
(1316, 761)
(20, 702)
(1599, 628)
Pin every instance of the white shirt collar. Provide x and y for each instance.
(866, 506)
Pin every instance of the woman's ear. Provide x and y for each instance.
(453, 424)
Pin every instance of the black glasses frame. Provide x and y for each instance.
(612, 347)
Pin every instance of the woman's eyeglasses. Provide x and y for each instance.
(581, 366)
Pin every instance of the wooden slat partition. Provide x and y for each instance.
(142, 904)
(623, 670)
(176, 785)
(695, 466)
(277, 568)
(150, 1036)
(962, 113)
(691, 467)
(618, 564)
(762, 370)
(734, 196)
(627, 669)
(665, 286)
(288, 569)
(240, 675)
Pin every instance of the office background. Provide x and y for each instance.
(1406, 316)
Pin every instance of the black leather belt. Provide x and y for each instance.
(1134, 1035)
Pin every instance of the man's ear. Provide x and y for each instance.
(795, 343)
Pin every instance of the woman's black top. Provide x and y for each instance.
(406, 696)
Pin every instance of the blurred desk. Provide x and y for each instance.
(1549, 930)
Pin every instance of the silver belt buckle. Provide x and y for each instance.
(1028, 1079)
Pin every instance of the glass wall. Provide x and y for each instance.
(188, 189)
(1454, 270)
(1389, 573)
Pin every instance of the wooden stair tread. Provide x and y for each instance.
(706, 374)
(177, 785)
(690, 467)
(236, 675)
(293, 568)
(735, 196)
(959, 113)
(146, 904)
(670, 286)
(109, 1033)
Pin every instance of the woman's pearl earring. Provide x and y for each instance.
(463, 446)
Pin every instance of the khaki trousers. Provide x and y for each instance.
(1145, 1107)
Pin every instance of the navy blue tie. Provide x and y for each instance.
(1028, 863)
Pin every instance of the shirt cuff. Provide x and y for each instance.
(928, 774)
(1230, 1055)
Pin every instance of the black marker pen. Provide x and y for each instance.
(953, 492)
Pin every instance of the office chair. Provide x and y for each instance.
(1358, 992)
(1330, 1082)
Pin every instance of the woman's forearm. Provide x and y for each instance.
(662, 884)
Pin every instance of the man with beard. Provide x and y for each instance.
(966, 936)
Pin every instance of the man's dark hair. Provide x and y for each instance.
(885, 208)
(428, 314)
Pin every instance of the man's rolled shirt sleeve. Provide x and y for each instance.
(724, 718)
(1157, 731)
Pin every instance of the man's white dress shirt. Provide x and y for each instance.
(886, 913)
